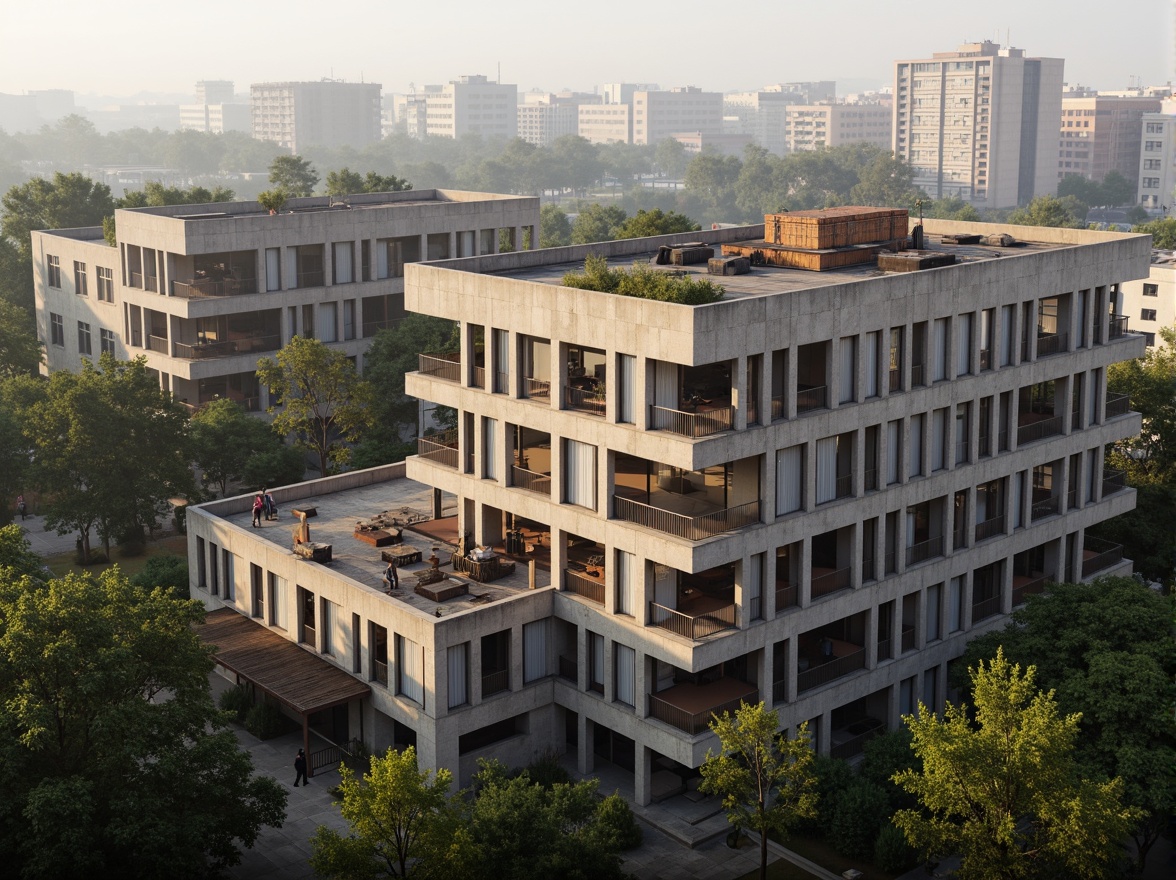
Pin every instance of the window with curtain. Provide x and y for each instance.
(1007, 315)
(964, 345)
(933, 599)
(955, 605)
(986, 318)
(626, 390)
(915, 463)
(341, 254)
(326, 322)
(490, 448)
(893, 450)
(848, 369)
(457, 661)
(580, 474)
(501, 356)
(534, 650)
(826, 469)
(410, 661)
(596, 661)
(665, 382)
(789, 479)
(939, 439)
(277, 601)
(940, 359)
(326, 639)
(753, 588)
(626, 675)
(273, 268)
(873, 342)
(1018, 498)
(625, 574)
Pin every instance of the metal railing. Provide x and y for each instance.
(1029, 588)
(883, 649)
(204, 350)
(380, 671)
(990, 528)
(777, 406)
(1035, 431)
(780, 689)
(1107, 554)
(692, 722)
(692, 528)
(495, 682)
(136, 279)
(855, 745)
(536, 388)
(1052, 343)
(445, 365)
(924, 550)
(157, 343)
(907, 639)
(787, 596)
(1075, 417)
(310, 279)
(810, 399)
(696, 424)
(331, 756)
(1117, 327)
(755, 608)
(568, 668)
(500, 382)
(830, 582)
(916, 375)
(827, 672)
(871, 479)
(479, 377)
(985, 608)
(439, 448)
(198, 288)
(532, 481)
(582, 585)
(1072, 498)
(1113, 481)
(151, 282)
(1116, 405)
(1046, 507)
(591, 402)
(693, 628)
(844, 486)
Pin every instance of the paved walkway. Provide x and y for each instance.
(45, 543)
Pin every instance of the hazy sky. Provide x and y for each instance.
(121, 47)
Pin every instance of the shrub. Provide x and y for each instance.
(617, 825)
(547, 771)
(892, 853)
(834, 776)
(236, 700)
(264, 720)
(644, 282)
(885, 755)
(859, 811)
(359, 760)
(164, 571)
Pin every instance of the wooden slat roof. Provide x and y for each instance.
(292, 675)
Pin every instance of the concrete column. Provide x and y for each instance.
(768, 595)
(606, 476)
(559, 556)
(585, 757)
(892, 707)
(742, 594)
(641, 687)
(1006, 588)
(920, 619)
(791, 671)
(833, 373)
(1063, 395)
(768, 486)
(475, 658)
(517, 242)
(436, 504)
(821, 734)
(805, 573)
(739, 397)
(516, 657)
(859, 463)
(900, 542)
(966, 601)
(872, 637)
(810, 476)
(642, 775)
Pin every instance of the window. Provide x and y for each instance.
(105, 284)
(848, 369)
(106, 340)
(457, 661)
(201, 568)
(893, 451)
(213, 580)
(625, 671)
(277, 601)
(580, 474)
(595, 662)
(273, 269)
(1151, 183)
(940, 354)
(1149, 339)
(534, 650)
(789, 479)
(328, 321)
(627, 367)
(84, 338)
(80, 286)
(1151, 289)
(349, 319)
(489, 448)
(964, 345)
(933, 598)
(342, 253)
(227, 567)
(410, 680)
(329, 612)
(1147, 315)
(393, 253)
(53, 270)
(625, 575)
(915, 464)
(56, 329)
(257, 585)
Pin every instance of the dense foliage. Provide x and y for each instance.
(645, 282)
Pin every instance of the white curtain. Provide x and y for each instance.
(789, 479)
(625, 387)
(982, 505)
(326, 322)
(273, 268)
(580, 474)
(964, 345)
(277, 601)
(826, 469)
(490, 448)
(665, 588)
(916, 457)
(501, 341)
(534, 650)
(1007, 315)
(665, 380)
(382, 246)
(872, 343)
(626, 567)
(596, 657)
(940, 350)
(955, 605)
(753, 589)
(986, 318)
(1018, 498)
(458, 663)
(939, 439)
(933, 612)
(409, 670)
(327, 627)
(341, 254)
(893, 450)
(626, 672)
(848, 368)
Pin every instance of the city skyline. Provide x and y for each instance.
(529, 44)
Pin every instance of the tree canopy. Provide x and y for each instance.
(21, 353)
(1162, 231)
(225, 440)
(1003, 791)
(1051, 211)
(114, 760)
(555, 230)
(346, 182)
(655, 222)
(293, 175)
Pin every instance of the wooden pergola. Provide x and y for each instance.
(293, 676)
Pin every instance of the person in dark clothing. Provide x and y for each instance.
(271, 508)
(391, 576)
(300, 769)
(21, 506)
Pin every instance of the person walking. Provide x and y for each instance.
(21, 507)
(300, 769)
(391, 576)
(258, 506)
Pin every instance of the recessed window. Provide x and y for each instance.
(106, 340)
(105, 283)
(1147, 315)
(53, 270)
(81, 287)
(56, 330)
(84, 346)
(1151, 290)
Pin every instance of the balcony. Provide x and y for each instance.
(810, 399)
(568, 668)
(699, 622)
(495, 682)
(787, 595)
(538, 389)
(704, 420)
(827, 581)
(924, 550)
(847, 658)
(849, 741)
(692, 528)
(198, 351)
(1027, 585)
(590, 400)
(441, 365)
(690, 707)
(439, 448)
(157, 343)
(478, 380)
(1048, 506)
(200, 288)
(1116, 405)
(1032, 426)
(583, 584)
(1052, 343)
(985, 608)
(1099, 555)
(990, 528)
(1113, 481)
(532, 481)
(1117, 327)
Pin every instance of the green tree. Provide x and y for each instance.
(346, 182)
(758, 188)
(670, 158)
(766, 780)
(279, 465)
(655, 222)
(16, 556)
(951, 208)
(168, 571)
(294, 175)
(1106, 649)
(1082, 188)
(273, 200)
(887, 182)
(1003, 791)
(401, 819)
(155, 194)
(1162, 231)
(21, 353)
(224, 438)
(597, 223)
(114, 760)
(821, 178)
(1149, 457)
(555, 230)
(324, 403)
(575, 163)
(710, 178)
(1050, 211)
(1116, 189)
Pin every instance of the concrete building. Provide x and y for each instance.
(1102, 133)
(471, 105)
(1157, 162)
(216, 109)
(812, 492)
(622, 93)
(329, 113)
(606, 123)
(760, 116)
(1150, 302)
(546, 117)
(658, 115)
(215, 91)
(203, 291)
(817, 126)
(980, 123)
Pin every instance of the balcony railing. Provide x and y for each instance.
(591, 402)
(809, 399)
(198, 288)
(907, 639)
(985, 608)
(443, 365)
(692, 722)
(1105, 555)
(495, 682)
(567, 668)
(777, 406)
(692, 528)
(136, 279)
(693, 628)
(1030, 587)
(439, 448)
(855, 745)
(1039, 430)
(787, 595)
(1113, 481)
(780, 689)
(1052, 343)
(827, 672)
(916, 375)
(198, 351)
(1046, 507)
(380, 672)
(584, 585)
(924, 550)
(883, 649)
(151, 282)
(479, 377)
(157, 343)
(1117, 327)
(539, 389)
(310, 279)
(830, 582)
(1116, 405)
(990, 528)
(532, 481)
(695, 424)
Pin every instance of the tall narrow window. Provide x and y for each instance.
(342, 253)
(596, 662)
(501, 345)
(81, 288)
(277, 601)
(893, 451)
(348, 319)
(940, 354)
(410, 681)
(933, 598)
(626, 675)
(938, 439)
(534, 650)
(580, 474)
(848, 369)
(457, 661)
(753, 587)
(826, 469)
(1008, 316)
(955, 605)
(490, 448)
(871, 356)
(915, 463)
(789, 479)
(964, 345)
(626, 569)
(258, 590)
(273, 269)
(626, 389)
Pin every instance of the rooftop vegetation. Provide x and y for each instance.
(644, 282)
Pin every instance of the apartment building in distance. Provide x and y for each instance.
(1157, 161)
(761, 114)
(980, 123)
(203, 291)
(1102, 133)
(328, 113)
(606, 123)
(1150, 302)
(810, 127)
(216, 109)
(545, 117)
(468, 105)
(658, 115)
(812, 492)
